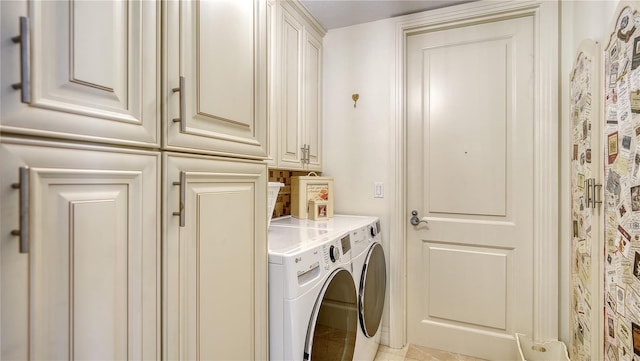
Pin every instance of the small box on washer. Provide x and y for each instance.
(311, 188)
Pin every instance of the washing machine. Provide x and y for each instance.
(370, 272)
(313, 302)
(368, 267)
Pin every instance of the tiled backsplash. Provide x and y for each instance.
(283, 203)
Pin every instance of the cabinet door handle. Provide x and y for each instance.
(183, 186)
(592, 193)
(587, 192)
(23, 39)
(181, 120)
(596, 193)
(306, 153)
(23, 232)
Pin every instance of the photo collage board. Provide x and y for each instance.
(583, 80)
(621, 93)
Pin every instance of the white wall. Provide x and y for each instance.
(357, 141)
(580, 20)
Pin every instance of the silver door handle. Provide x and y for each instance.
(181, 119)
(306, 153)
(415, 220)
(23, 231)
(592, 193)
(587, 190)
(183, 186)
(23, 39)
(596, 193)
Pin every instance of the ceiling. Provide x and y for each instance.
(340, 13)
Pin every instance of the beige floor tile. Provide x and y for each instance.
(419, 353)
(390, 354)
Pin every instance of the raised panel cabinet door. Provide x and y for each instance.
(215, 259)
(273, 113)
(313, 100)
(299, 90)
(216, 71)
(89, 70)
(289, 76)
(87, 285)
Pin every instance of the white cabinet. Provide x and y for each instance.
(89, 286)
(215, 259)
(91, 70)
(296, 108)
(215, 77)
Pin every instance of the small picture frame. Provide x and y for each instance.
(305, 189)
(318, 210)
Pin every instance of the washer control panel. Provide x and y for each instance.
(359, 235)
(334, 251)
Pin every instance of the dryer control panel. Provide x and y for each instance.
(374, 229)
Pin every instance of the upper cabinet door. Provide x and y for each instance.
(290, 95)
(216, 87)
(296, 102)
(313, 100)
(85, 70)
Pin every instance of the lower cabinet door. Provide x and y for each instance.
(215, 259)
(82, 280)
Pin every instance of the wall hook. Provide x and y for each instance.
(355, 98)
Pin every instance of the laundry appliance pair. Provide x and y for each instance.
(327, 282)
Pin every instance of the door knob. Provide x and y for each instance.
(415, 220)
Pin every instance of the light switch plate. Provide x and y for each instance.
(378, 190)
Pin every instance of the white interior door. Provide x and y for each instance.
(470, 156)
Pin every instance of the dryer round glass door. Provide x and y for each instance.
(373, 284)
(334, 322)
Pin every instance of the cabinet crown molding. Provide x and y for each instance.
(303, 11)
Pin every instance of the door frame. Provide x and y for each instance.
(546, 155)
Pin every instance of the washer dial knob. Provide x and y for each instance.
(334, 253)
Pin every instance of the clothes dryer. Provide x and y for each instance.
(370, 272)
(313, 307)
(368, 267)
